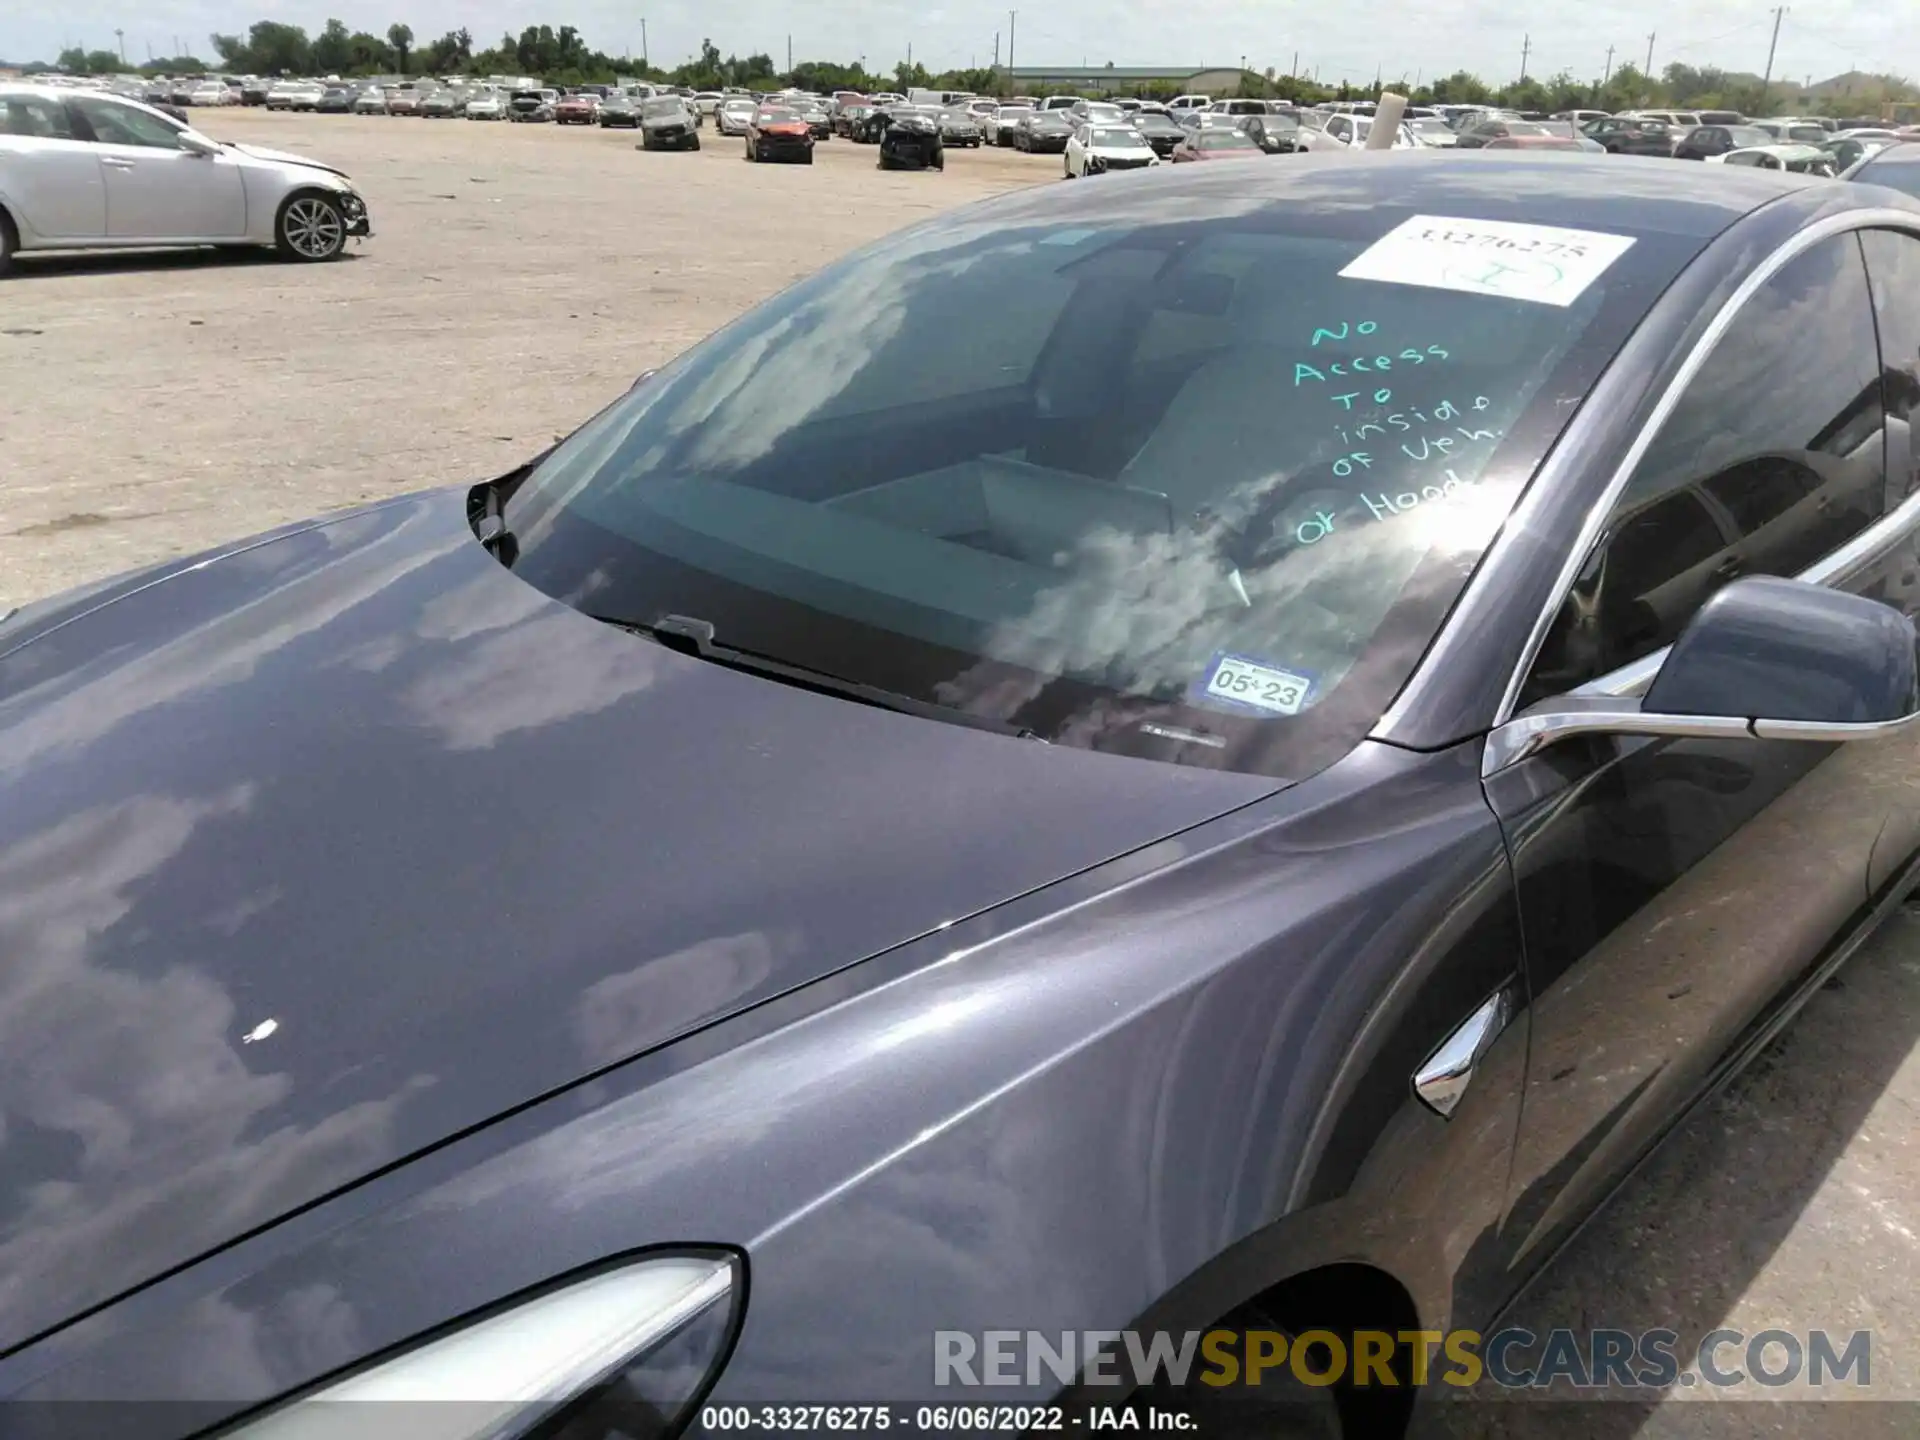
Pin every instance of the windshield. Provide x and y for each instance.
(1430, 127)
(1119, 139)
(1116, 482)
(662, 109)
(1224, 140)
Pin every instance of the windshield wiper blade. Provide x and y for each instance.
(692, 636)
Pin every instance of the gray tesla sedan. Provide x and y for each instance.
(1228, 748)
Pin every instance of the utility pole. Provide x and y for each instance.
(789, 55)
(1648, 72)
(643, 42)
(1608, 72)
(1012, 15)
(1767, 79)
(121, 36)
(1526, 49)
(996, 52)
(1294, 73)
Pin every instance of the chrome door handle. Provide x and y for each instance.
(118, 164)
(1443, 1078)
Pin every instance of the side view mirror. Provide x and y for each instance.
(1764, 659)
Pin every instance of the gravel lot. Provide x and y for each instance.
(518, 279)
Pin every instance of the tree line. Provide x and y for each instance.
(560, 56)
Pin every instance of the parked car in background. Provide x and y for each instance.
(959, 126)
(1897, 167)
(1704, 140)
(817, 113)
(1799, 159)
(1045, 132)
(1158, 129)
(734, 115)
(1208, 142)
(582, 107)
(1062, 102)
(1276, 134)
(705, 103)
(619, 112)
(779, 132)
(487, 105)
(1094, 149)
(996, 127)
(1847, 151)
(253, 90)
(404, 100)
(530, 107)
(1547, 142)
(370, 100)
(667, 122)
(848, 114)
(1792, 132)
(335, 100)
(209, 93)
(1096, 112)
(1582, 118)
(1630, 135)
(81, 170)
(1478, 135)
(294, 95)
(443, 104)
(911, 139)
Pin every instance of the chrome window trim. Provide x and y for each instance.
(1631, 678)
(1834, 568)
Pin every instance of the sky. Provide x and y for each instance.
(1818, 38)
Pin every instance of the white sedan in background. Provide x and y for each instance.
(1801, 159)
(488, 105)
(734, 115)
(210, 93)
(1096, 149)
(86, 170)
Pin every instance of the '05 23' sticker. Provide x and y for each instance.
(1253, 687)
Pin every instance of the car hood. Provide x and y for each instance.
(282, 157)
(319, 853)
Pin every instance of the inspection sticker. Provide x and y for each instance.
(1542, 263)
(1243, 683)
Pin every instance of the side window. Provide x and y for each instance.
(1775, 456)
(123, 125)
(34, 117)
(1893, 268)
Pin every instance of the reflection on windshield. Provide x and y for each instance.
(1178, 490)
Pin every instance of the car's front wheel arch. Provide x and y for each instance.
(9, 239)
(297, 216)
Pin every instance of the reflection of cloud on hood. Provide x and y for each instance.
(491, 600)
(551, 668)
(622, 1014)
(70, 712)
(141, 1073)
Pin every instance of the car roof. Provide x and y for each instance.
(1592, 192)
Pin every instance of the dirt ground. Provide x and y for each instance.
(518, 279)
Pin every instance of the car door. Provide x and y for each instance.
(156, 188)
(1670, 890)
(1893, 274)
(49, 176)
(1341, 129)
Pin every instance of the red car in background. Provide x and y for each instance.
(580, 108)
(779, 134)
(1207, 143)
